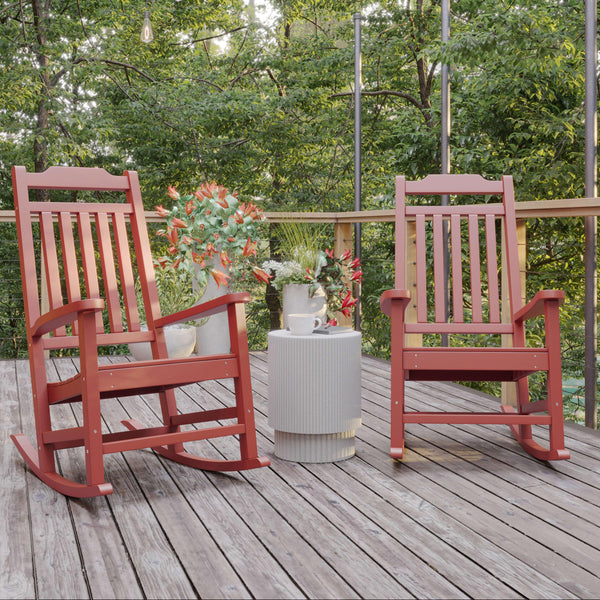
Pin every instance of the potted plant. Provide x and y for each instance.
(213, 238)
(313, 280)
(175, 293)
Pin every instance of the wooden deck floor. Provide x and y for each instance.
(466, 514)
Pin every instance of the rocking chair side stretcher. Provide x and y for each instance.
(514, 363)
(102, 230)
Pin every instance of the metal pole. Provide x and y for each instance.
(445, 151)
(357, 151)
(591, 226)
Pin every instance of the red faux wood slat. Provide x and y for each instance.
(421, 270)
(74, 208)
(492, 269)
(465, 210)
(469, 328)
(126, 273)
(477, 315)
(85, 179)
(107, 260)
(88, 257)
(50, 259)
(457, 276)
(69, 256)
(450, 184)
(439, 269)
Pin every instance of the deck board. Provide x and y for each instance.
(466, 514)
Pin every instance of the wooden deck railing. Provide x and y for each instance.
(343, 223)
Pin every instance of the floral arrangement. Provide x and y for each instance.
(212, 223)
(334, 274)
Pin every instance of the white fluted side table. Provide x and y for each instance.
(314, 395)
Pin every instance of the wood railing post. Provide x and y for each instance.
(509, 388)
(343, 241)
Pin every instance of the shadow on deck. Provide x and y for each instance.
(466, 514)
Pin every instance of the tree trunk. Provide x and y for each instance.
(40, 143)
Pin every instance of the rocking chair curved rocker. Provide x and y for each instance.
(115, 234)
(475, 309)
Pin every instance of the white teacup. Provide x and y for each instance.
(303, 324)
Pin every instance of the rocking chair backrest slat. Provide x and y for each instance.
(457, 272)
(421, 268)
(475, 269)
(492, 269)
(92, 238)
(473, 254)
(88, 257)
(126, 272)
(439, 269)
(65, 224)
(107, 260)
(51, 264)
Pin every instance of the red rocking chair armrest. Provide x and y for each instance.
(203, 310)
(389, 296)
(535, 307)
(64, 315)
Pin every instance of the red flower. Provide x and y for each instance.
(249, 248)
(355, 263)
(333, 322)
(225, 260)
(175, 222)
(222, 202)
(210, 249)
(199, 259)
(161, 211)
(348, 301)
(176, 263)
(173, 193)
(219, 277)
(173, 235)
(346, 255)
(186, 239)
(356, 276)
(329, 253)
(189, 206)
(261, 275)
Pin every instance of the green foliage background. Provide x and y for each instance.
(264, 106)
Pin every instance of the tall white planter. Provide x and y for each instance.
(296, 299)
(212, 336)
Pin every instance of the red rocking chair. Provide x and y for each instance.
(113, 234)
(475, 309)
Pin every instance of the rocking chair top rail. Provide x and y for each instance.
(97, 225)
(478, 219)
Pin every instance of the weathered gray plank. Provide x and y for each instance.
(296, 534)
(58, 569)
(511, 570)
(16, 567)
(159, 572)
(108, 567)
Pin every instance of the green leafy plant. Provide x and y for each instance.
(175, 292)
(211, 222)
(315, 267)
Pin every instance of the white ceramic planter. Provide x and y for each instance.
(180, 339)
(212, 337)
